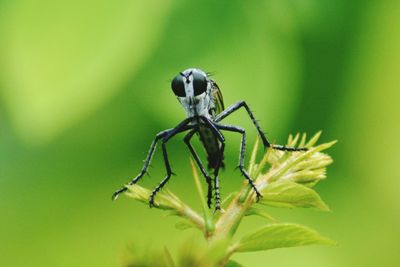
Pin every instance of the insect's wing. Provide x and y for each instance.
(217, 97)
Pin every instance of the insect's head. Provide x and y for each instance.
(192, 88)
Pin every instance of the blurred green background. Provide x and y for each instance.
(85, 85)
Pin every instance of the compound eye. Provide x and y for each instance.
(178, 87)
(199, 83)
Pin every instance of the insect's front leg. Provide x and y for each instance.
(145, 165)
(266, 143)
(165, 180)
(183, 126)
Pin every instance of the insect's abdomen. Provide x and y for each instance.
(212, 147)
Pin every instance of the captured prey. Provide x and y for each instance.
(202, 101)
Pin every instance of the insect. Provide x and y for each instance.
(202, 101)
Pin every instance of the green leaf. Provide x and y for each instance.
(225, 203)
(217, 250)
(280, 236)
(232, 263)
(168, 258)
(261, 213)
(183, 225)
(210, 227)
(290, 195)
(313, 139)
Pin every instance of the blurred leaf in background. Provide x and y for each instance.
(84, 86)
(62, 60)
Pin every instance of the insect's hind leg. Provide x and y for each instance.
(242, 154)
(187, 139)
(145, 165)
(217, 133)
(266, 143)
(216, 179)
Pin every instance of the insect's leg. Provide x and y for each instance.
(240, 104)
(183, 126)
(165, 180)
(221, 139)
(216, 180)
(237, 106)
(145, 165)
(187, 139)
(242, 153)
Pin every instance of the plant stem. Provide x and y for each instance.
(228, 223)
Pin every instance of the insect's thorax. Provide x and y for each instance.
(198, 106)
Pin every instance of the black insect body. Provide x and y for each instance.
(202, 100)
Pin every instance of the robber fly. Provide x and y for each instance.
(202, 101)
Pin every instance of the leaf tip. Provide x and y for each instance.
(328, 242)
(324, 207)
